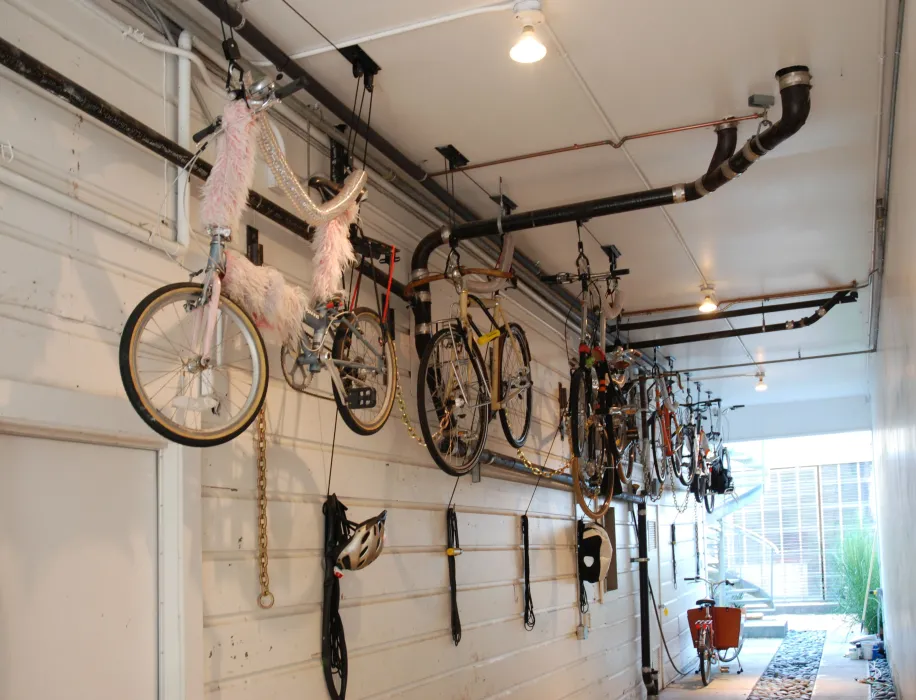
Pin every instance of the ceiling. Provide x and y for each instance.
(801, 218)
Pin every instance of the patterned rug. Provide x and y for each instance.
(793, 669)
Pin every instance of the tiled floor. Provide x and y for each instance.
(836, 679)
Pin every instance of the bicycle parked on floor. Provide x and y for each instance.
(717, 630)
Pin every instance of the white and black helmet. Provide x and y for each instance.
(365, 544)
(595, 552)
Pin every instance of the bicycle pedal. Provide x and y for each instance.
(363, 397)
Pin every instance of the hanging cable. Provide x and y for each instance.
(529, 604)
(453, 550)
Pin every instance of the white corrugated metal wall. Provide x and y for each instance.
(67, 287)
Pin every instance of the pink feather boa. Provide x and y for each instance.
(225, 193)
(332, 254)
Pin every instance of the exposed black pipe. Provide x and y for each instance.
(226, 12)
(850, 298)
(822, 311)
(649, 675)
(726, 143)
(795, 88)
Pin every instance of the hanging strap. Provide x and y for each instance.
(529, 604)
(333, 643)
(454, 549)
(583, 597)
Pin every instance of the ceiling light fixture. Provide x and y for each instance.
(708, 305)
(528, 49)
(761, 384)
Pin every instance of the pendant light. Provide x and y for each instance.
(761, 384)
(708, 305)
(528, 49)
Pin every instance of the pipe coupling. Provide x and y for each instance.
(794, 75)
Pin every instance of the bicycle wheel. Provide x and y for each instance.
(357, 343)
(580, 410)
(515, 385)
(454, 407)
(705, 654)
(630, 457)
(189, 399)
(661, 460)
(685, 456)
(709, 500)
(700, 486)
(592, 476)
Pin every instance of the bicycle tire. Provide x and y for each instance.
(428, 382)
(661, 464)
(340, 351)
(705, 653)
(142, 314)
(579, 412)
(516, 439)
(709, 500)
(627, 460)
(686, 456)
(706, 667)
(590, 486)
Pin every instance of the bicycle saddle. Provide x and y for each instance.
(703, 602)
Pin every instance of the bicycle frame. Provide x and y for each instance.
(493, 311)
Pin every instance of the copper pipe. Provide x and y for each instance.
(593, 144)
(744, 300)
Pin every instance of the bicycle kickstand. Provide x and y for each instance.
(740, 667)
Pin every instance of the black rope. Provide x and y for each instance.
(529, 604)
(583, 597)
(451, 523)
(333, 445)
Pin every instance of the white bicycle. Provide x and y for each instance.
(192, 360)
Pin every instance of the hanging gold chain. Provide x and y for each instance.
(402, 405)
(539, 471)
(266, 598)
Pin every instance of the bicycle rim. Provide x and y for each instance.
(453, 402)
(591, 476)
(190, 400)
(515, 368)
(358, 349)
(579, 412)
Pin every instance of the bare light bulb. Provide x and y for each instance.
(528, 49)
(761, 385)
(708, 305)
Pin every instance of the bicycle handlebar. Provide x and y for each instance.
(274, 95)
(567, 277)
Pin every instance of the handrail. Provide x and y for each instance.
(755, 536)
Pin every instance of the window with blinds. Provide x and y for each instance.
(805, 512)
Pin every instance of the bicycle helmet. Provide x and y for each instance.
(364, 545)
(595, 552)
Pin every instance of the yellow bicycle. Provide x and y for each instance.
(457, 394)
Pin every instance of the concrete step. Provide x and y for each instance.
(769, 629)
(756, 607)
(805, 608)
